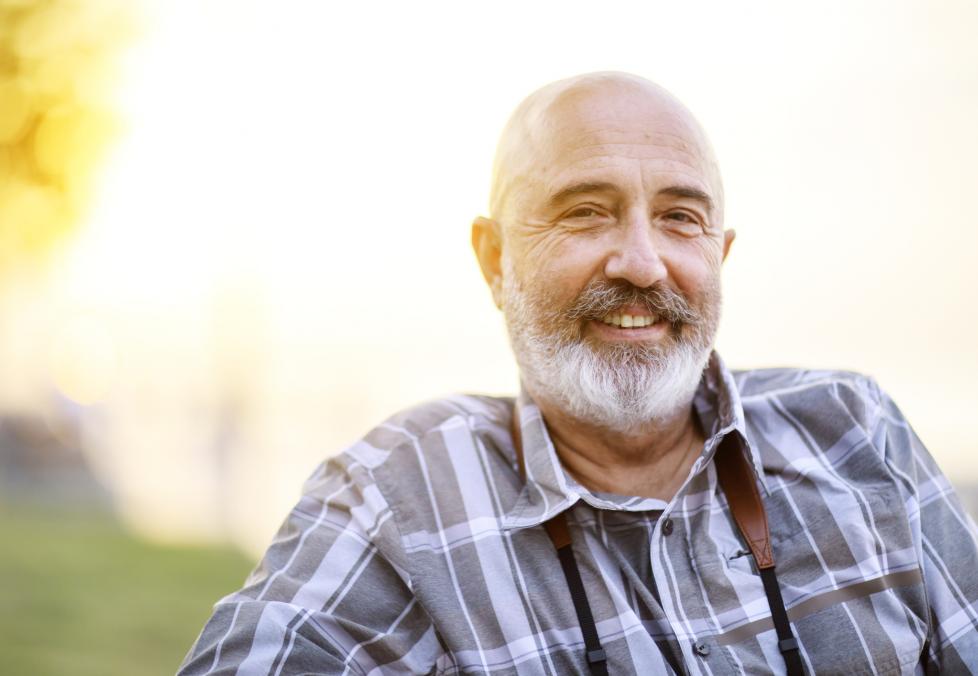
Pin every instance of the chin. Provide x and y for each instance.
(629, 393)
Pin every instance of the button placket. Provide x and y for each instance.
(668, 596)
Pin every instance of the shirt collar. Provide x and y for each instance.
(717, 403)
(549, 489)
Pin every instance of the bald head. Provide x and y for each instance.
(545, 128)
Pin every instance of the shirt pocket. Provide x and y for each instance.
(850, 577)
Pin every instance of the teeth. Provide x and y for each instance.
(628, 321)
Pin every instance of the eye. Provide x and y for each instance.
(683, 223)
(582, 212)
(682, 217)
(585, 217)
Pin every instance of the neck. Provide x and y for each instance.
(650, 462)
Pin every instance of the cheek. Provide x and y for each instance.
(560, 265)
(564, 266)
(693, 268)
(574, 262)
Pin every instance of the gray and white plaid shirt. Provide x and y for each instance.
(420, 550)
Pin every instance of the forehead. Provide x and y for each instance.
(617, 131)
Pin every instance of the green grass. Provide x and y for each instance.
(78, 595)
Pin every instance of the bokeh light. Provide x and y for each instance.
(55, 76)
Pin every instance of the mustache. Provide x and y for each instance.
(600, 297)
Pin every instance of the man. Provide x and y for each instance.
(639, 508)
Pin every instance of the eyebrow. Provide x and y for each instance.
(592, 187)
(690, 192)
(578, 189)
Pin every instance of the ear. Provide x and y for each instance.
(728, 238)
(488, 246)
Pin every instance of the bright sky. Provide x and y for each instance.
(287, 215)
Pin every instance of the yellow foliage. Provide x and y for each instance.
(56, 70)
(15, 111)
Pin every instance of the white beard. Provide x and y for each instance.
(624, 387)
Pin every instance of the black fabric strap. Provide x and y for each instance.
(787, 643)
(735, 475)
(593, 651)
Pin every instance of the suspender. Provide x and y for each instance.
(737, 482)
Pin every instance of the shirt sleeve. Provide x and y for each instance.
(330, 596)
(946, 539)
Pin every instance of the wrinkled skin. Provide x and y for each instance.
(607, 179)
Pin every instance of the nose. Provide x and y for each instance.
(636, 256)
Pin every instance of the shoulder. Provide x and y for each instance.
(404, 458)
(431, 417)
(810, 392)
(422, 429)
(778, 381)
(424, 465)
(818, 426)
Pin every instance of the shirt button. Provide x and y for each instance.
(667, 527)
(701, 649)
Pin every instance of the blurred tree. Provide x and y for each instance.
(56, 73)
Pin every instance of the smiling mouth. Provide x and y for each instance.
(623, 320)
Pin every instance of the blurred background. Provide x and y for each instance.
(234, 236)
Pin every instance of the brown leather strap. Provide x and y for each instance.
(737, 480)
(739, 485)
(558, 531)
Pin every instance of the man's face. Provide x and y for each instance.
(613, 242)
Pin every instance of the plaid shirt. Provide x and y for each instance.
(420, 550)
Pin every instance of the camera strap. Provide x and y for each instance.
(738, 483)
